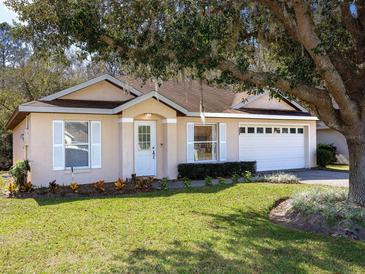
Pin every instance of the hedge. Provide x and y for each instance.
(198, 171)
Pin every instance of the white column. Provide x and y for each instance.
(126, 128)
(170, 151)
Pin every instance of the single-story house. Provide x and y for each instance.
(108, 128)
(326, 135)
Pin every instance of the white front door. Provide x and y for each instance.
(145, 148)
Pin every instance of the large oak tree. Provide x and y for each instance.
(313, 50)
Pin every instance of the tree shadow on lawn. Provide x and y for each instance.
(46, 201)
(249, 242)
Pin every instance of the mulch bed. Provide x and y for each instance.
(283, 214)
(85, 190)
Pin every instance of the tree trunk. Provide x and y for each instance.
(356, 148)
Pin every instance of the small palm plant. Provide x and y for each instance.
(164, 183)
(187, 183)
(208, 181)
(235, 178)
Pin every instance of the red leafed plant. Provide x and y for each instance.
(100, 185)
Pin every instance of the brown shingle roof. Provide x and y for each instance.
(187, 94)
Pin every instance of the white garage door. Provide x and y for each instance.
(272, 147)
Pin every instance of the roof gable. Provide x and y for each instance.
(263, 101)
(111, 80)
(100, 91)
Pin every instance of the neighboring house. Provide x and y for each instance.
(326, 135)
(107, 128)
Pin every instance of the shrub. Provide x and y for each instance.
(221, 181)
(27, 187)
(198, 171)
(19, 172)
(324, 157)
(11, 188)
(235, 178)
(326, 154)
(53, 186)
(164, 183)
(119, 184)
(74, 187)
(281, 178)
(208, 181)
(148, 182)
(330, 203)
(143, 182)
(187, 183)
(247, 176)
(100, 186)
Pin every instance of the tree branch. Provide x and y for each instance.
(281, 13)
(309, 39)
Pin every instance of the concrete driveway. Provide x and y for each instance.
(323, 177)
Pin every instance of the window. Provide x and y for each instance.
(300, 131)
(285, 130)
(268, 130)
(144, 137)
(242, 130)
(260, 130)
(250, 130)
(76, 144)
(276, 130)
(293, 130)
(205, 142)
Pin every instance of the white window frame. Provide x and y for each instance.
(207, 142)
(79, 144)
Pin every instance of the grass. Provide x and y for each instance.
(211, 229)
(338, 167)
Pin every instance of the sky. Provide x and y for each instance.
(6, 15)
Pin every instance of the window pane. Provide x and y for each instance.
(205, 151)
(268, 130)
(77, 156)
(242, 130)
(250, 130)
(285, 130)
(260, 130)
(300, 131)
(76, 133)
(205, 133)
(144, 137)
(293, 130)
(276, 130)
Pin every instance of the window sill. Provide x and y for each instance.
(207, 161)
(78, 170)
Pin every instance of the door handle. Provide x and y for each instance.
(153, 153)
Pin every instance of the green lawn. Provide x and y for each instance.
(338, 167)
(210, 230)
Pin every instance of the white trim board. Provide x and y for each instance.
(150, 95)
(252, 116)
(88, 83)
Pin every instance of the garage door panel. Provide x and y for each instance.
(273, 151)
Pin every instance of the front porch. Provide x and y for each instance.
(148, 140)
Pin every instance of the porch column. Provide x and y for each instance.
(126, 147)
(170, 150)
